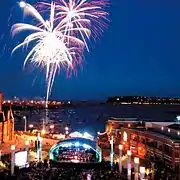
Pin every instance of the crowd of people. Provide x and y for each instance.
(76, 154)
(55, 171)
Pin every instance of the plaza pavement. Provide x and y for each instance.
(19, 142)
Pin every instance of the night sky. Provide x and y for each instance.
(138, 54)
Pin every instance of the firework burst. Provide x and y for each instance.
(59, 42)
(88, 17)
(53, 48)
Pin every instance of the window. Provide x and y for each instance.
(125, 136)
(176, 154)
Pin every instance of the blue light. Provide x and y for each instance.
(77, 144)
(178, 118)
(86, 146)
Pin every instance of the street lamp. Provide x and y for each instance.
(120, 158)
(112, 151)
(12, 159)
(66, 128)
(27, 150)
(43, 132)
(136, 163)
(25, 123)
(142, 172)
(39, 147)
(129, 164)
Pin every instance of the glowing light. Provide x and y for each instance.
(129, 172)
(59, 136)
(21, 158)
(142, 170)
(78, 134)
(31, 126)
(38, 136)
(66, 129)
(86, 146)
(87, 136)
(162, 128)
(26, 143)
(148, 171)
(120, 146)
(22, 4)
(75, 160)
(87, 17)
(77, 144)
(59, 42)
(112, 140)
(75, 134)
(43, 131)
(178, 118)
(51, 126)
(12, 147)
(54, 49)
(136, 160)
(129, 153)
(125, 136)
(99, 133)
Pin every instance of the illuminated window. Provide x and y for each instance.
(125, 136)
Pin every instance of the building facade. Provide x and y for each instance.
(156, 142)
(6, 122)
(152, 145)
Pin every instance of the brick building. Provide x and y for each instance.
(153, 141)
(6, 122)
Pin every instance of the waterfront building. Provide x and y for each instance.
(157, 142)
(6, 122)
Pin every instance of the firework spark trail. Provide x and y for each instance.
(60, 41)
(53, 49)
(88, 17)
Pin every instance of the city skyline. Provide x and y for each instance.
(137, 55)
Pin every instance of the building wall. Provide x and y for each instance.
(152, 147)
(1, 100)
(11, 129)
(5, 131)
(7, 125)
(145, 144)
(1, 132)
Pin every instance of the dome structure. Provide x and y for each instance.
(75, 146)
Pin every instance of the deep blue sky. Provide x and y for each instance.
(139, 54)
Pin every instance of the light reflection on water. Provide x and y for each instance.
(92, 118)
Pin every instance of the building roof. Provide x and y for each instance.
(5, 112)
(159, 133)
(78, 139)
(170, 135)
(174, 126)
